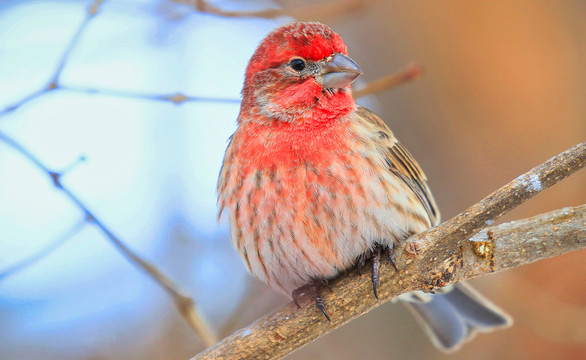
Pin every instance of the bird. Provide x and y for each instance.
(315, 184)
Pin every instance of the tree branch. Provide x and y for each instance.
(525, 241)
(445, 254)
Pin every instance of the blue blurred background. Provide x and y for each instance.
(149, 173)
(503, 91)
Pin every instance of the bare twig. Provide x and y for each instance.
(53, 83)
(184, 303)
(40, 254)
(445, 255)
(177, 98)
(92, 10)
(311, 11)
(23, 101)
(410, 73)
(315, 11)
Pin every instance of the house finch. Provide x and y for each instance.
(314, 182)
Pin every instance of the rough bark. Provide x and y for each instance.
(495, 249)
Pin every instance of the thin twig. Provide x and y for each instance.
(184, 303)
(40, 254)
(53, 83)
(409, 73)
(177, 98)
(445, 255)
(22, 101)
(92, 10)
(315, 11)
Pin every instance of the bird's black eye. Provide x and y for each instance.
(297, 64)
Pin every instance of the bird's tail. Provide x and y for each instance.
(452, 318)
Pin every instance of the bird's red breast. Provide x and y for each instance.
(311, 181)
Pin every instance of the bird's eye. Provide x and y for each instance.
(297, 64)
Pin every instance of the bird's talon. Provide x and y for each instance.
(320, 305)
(313, 290)
(391, 257)
(360, 263)
(375, 268)
(296, 294)
(296, 303)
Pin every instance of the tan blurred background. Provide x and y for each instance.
(504, 89)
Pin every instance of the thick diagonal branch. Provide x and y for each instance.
(445, 254)
(498, 248)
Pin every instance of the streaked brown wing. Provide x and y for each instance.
(401, 163)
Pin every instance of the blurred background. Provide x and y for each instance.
(133, 101)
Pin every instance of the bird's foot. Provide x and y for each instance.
(375, 258)
(391, 255)
(375, 266)
(313, 290)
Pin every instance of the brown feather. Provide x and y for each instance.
(401, 163)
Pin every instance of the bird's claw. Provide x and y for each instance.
(375, 268)
(360, 263)
(391, 256)
(375, 258)
(312, 289)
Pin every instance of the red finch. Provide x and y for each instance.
(314, 183)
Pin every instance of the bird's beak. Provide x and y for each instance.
(339, 71)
